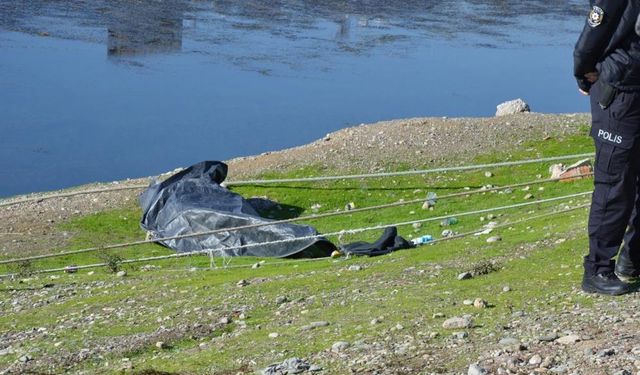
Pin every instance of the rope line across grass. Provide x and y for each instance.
(10, 202)
(461, 235)
(434, 241)
(284, 221)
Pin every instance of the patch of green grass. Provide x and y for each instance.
(539, 260)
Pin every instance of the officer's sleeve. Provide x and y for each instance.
(599, 27)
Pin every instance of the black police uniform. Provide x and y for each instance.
(610, 46)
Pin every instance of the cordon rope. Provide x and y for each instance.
(284, 221)
(457, 236)
(10, 202)
(342, 232)
(407, 173)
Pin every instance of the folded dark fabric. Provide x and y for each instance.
(388, 242)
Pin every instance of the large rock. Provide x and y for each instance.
(511, 107)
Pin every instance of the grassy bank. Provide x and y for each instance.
(396, 303)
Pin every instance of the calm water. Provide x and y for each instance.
(102, 90)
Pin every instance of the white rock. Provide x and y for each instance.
(494, 239)
(121, 273)
(476, 370)
(535, 360)
(511, 107)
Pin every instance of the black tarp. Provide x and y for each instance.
(193, 201)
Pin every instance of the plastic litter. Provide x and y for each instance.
(422, 240)
(449, 221)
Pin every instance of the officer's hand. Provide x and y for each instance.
(592, 77)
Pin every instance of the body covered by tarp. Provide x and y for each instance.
(193, 201)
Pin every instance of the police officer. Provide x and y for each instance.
(607, 68)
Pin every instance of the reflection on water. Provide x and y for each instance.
(139, 27)
(144, 28)
(188, 80)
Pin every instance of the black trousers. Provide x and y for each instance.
(615, 203)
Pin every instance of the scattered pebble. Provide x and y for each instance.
(479, 303)
(121, 273)
(509, 341)
(457, 323)
(448, 233)
(494, 239)
(460, 335)
(606, 353)
(291, 366)
(340, 346)
(161, 345)
(535, 360)
(465, 276)
(568, 340)
(319, 324)
(476, 370)
(281, 299)
(548, 338)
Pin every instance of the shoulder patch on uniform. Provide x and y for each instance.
(595, 16)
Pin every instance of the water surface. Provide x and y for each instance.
(103, 90)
